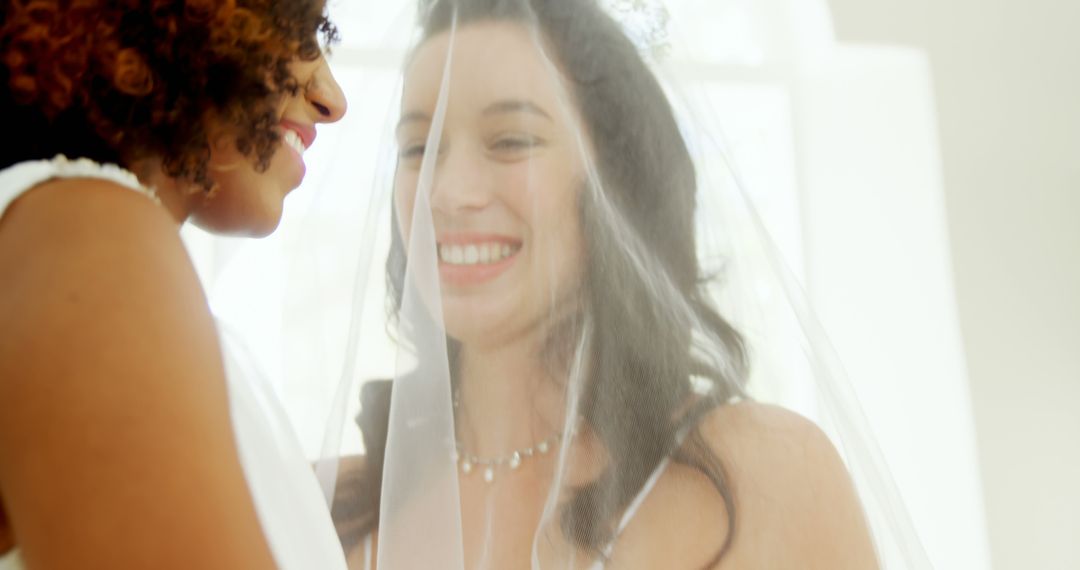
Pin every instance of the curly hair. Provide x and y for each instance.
(119, 80)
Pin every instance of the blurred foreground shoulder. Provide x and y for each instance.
(115, 437)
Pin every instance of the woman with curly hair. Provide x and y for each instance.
(127, 437)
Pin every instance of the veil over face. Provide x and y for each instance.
(514, 140)
(597, 355)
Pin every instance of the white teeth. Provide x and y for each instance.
(293, 140)
(474, 254)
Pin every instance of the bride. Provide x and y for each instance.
(128, 437)
(559, 337)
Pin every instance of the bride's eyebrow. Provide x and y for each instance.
(515, 106)
(412, 117)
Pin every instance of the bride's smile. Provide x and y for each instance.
(471, 259)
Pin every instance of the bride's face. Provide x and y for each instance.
(507, 177)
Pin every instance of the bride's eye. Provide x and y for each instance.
(412, 151)
(516, 143)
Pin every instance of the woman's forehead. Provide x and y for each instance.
(490, 61)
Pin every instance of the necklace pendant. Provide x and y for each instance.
(489, 474)
(515, 460)
(466, 466)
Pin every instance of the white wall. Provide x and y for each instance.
(1007, 88)
(880, 278)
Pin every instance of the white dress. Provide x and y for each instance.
(290, 504)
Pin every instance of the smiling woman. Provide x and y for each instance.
(131, 436)
(579, 375)
(247, 198)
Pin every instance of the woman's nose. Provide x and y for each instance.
(459, 182)
(323, 93)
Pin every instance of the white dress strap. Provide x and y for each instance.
(17, 179)
(367, 552)
(632, 510)
(634, 505)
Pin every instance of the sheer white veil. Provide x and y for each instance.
(559, 263)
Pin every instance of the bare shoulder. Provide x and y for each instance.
(776, 457)
(72, 203)
(88, 228)
(95, 279)
(795, 502)
(90, 260)
(113, 402)
(757, 435)
(790, 502)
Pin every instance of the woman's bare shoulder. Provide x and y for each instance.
(763, 432)
(111, 386)
(95, 276)
(792, 504)
(795, 503)
(72, 229)
(88, 257)
(76, 202)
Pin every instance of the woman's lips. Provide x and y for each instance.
(306, 132)
(296, 138)
(473, 259)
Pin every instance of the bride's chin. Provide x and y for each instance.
(476, 332)
(470, 315)
(491, 323)
(466, 336)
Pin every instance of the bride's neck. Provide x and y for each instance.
(507, 398)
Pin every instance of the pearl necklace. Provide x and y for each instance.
(512, 460)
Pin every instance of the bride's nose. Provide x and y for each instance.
(461, 182)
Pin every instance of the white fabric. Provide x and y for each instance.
(17, 179)
(287, 498)
(290, 503)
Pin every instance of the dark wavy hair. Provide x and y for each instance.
(637, 397)
(119, 80)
